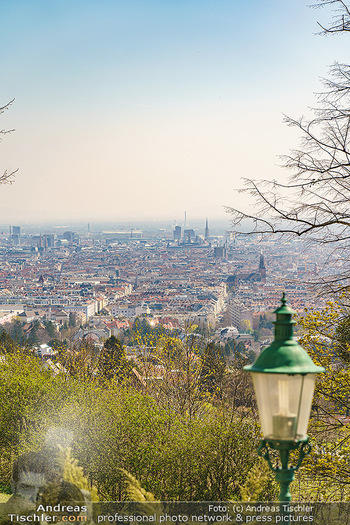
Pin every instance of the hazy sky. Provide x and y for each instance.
(130, 109)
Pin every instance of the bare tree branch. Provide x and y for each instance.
(341, 19)
(315, 201)
(8, 176)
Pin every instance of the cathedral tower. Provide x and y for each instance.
(262, 268)
(206, 232)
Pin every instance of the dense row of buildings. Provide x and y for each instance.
(172, 276)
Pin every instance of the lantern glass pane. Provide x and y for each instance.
(282, 398)
(305, 405)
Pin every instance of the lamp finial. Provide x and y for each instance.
(283, 300)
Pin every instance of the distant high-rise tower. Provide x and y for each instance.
(206, 232)
(177, 233)
(189, 236)
(262, 268)
(49, 240)
(16, 234)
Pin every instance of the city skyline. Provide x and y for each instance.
(218, 225)
(139, 110)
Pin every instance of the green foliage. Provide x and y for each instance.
(8, 345)
(28, 395)
(259, 481)
(115, 428)
(142, 331)
(81, 361)
(325, 337)
(143, 327)
(323, 340)
(342, 339)
(72, 320)
(168, 442)
(213, 369)
(238, 351)
(50, 329)
(171, 370)
(58, 345)
(16, 332)
(257, 335)
(173, 457)
(74, 473)
(132, 488)
(113, 363)
(33, 338)
(264, 322)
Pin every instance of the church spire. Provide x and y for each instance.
(206, 233)
(262, 268)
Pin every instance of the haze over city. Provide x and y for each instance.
(141, 110)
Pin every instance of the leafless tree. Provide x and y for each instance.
(7, 176)
(314, 202)
(171, 373)
(341, 18)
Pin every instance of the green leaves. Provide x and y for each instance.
(175, 445)
(113, 363)
(213, 369)
(325, 336)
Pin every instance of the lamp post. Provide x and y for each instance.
(284, 379)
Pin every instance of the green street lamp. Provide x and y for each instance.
(284, 379)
